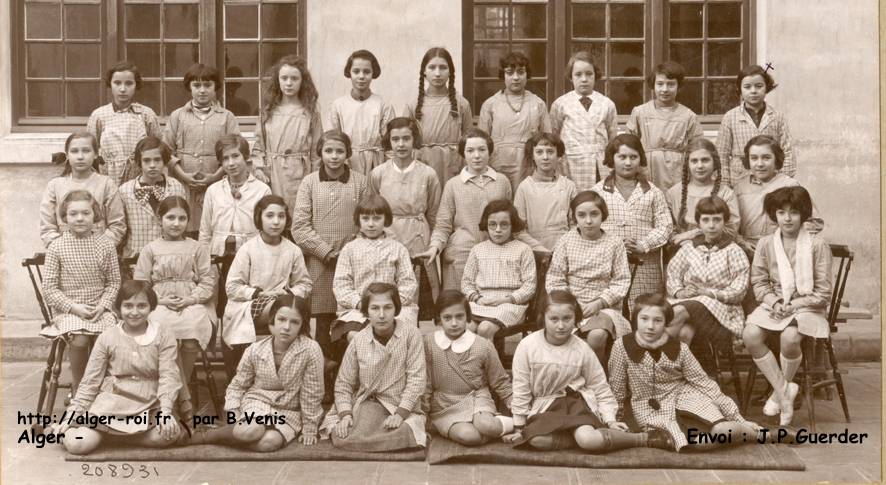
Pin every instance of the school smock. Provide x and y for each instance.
(665, 132)
(192, 136)
(694, 193)
(585, 134)
(364, 121)
(499, 271)
(118, 132)
(80, 270)
(323, 221)
(736, 130)
(112, 221)
(721, 267)
(754, 222)
(260, 265)
(510, 129)
(592, 269)
(184, 269)
(765, 280)
(680, 385)
(462, 374)
(289, 153)
(414, 196)
(225, 215)
(141, 219)
(130, 376)
(440, 132)
(544, 206)
(543, 371)
(293, 391)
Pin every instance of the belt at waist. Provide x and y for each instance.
(417, 217)
(446, 145)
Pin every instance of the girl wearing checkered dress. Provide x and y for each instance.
(638, 212)
(462, 372)
(323, 221)
(561, 398)
(791, 278)
(180, 271)
(372, 256)
(142, 195)
(279, 376)
(499, 276)
(592, 265)
(80, 281)
(264, 269)
(707, 280)
(586, 121)
(669, 390)
(81, 173)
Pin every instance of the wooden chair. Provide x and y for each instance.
(530, 322)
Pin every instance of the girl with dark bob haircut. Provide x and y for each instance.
(501, 205)
(796, 198)
(625, 139)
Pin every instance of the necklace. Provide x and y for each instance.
(522, 102)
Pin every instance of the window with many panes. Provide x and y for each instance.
(710, 38)
(63, 47)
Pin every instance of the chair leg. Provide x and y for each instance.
(736, 376)
(839, 378)
(749, 388)
(210, 383)
(194, 387)
(807, 384)
(53, 386)
(47, 373)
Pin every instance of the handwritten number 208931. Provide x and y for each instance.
(122, 471)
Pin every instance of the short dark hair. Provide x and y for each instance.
(131, 288)
(586, 57)
(231, 140)
(536, 139)
(365, 55)
(475, 133)
(297, 303)
(171, 202)
(710, 206)
(514, 60)
(263, 204)
(589, 196)
(795, 197)
(670, 70)
(201, 72)
(401, 122)
(151, 143)
(625, 139)
(755, 70)
(652, 299)
(336, 135)
(763, 140)
(448, 298)
(379, 288)
(374, 204)
(123, 66)
(558, 297)
(501, 205)
(81, 195)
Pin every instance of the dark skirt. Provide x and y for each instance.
(565, 414)
(707, 327)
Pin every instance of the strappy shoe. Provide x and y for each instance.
(661, 439)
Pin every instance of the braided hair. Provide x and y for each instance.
(442, 53)
(698, 143)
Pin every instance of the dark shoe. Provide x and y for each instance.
(661, 439)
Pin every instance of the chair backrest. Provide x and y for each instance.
(34, 265)
(542, 261)
(843, 257)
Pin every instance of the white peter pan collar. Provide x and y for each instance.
(459, 345)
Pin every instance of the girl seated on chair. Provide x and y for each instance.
(561, 397)
(791, 278)
(282, 376)
(462, 370)
(132, 371)
(499, 276)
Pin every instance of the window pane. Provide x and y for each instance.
(483, 91)
(142, 22)
(179, 57)
(279, 20)
(241, 97)
(45, 60)
(690, 95)
(626, 20)
(530, 22)
(686, 21)
(688, 54)
(45, 99)
(271, 52)
(627, 59)
(82, 98)
(82, 60)
(722, 96)
(589, 20)
(241, 60)
(625, 94)
(724, 58)
(539, 88)
(83, 22)
(146, 57)
(490, 22)
(537, 53)
(181, 21)
(149, 95)
(724, 20)
(176, 95)
(241, 21)
(43, 21)
(487, 57)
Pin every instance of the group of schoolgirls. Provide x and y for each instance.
(328, 225)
